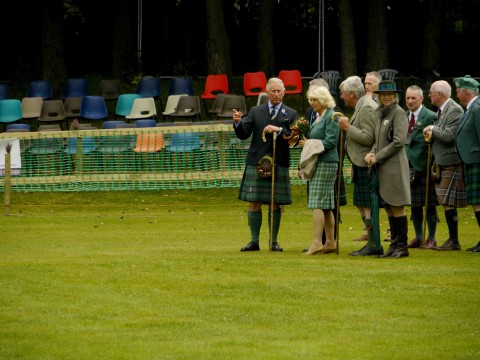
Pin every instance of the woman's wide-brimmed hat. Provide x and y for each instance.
(387, 86)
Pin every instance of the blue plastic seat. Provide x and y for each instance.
(40, 88)
(144, 123)
(125, 103)
(180, 85)
(93, 108)
(10, 110)
(21, 127)
(184, 142)
(112, 124)
(75, 88)
(4, 92)
(149, 87)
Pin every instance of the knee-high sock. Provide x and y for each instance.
(452, 222)
(417, 219)
(277, 217)
(372, 242)
(477, 215)
(255, 223)
(432, 220)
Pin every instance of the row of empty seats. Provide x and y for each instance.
(39, 106)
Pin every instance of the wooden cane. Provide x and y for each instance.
(272, 201)
(424, 228)
(339, 184)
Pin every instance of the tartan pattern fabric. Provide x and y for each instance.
(361, 190)
(451, 189)
(419, 189)
(255, 189)
(472, 183)
(321, 193)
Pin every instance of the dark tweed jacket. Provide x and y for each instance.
(253, 124)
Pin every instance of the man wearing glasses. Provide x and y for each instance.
(443, 135)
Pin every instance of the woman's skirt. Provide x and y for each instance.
(321, 188)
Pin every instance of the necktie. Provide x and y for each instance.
(272, 113)
(412, 123)
(464, 115)
(439, 113)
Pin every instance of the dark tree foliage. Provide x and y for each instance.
(182, 37)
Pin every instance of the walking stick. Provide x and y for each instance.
(339, 184)
(424, 228)
(272, 201)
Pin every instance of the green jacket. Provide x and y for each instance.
(417, 149)
(328, 131)
(468, 135)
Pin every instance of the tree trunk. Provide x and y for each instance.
(431, 40)
(53, 60)
(348, 52)
(266, 57)
(218, 44)
(124, 55)
(377, 46)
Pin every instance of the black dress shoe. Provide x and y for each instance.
(448, 245)
(475, 248)
(367, 251)
(251, 247)
(276, 247)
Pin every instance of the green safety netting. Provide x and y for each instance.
(176, 157)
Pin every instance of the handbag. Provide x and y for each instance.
(436, 172)
(264, 167)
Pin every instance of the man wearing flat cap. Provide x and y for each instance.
(443, 135)
(468, 142)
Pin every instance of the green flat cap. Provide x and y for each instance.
(466, 82)
(387, 86)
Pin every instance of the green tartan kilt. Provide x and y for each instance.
(256, 189)
(321, 188)
(472, 183)
(419, 188)
(362, 196)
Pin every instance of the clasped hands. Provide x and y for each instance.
(370, 159)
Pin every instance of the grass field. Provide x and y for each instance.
(159, 275)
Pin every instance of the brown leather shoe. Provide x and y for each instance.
(415, 243)
(448, 245)
(363, 237)
(429, 245)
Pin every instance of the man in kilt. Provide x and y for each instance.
(260, 123)
(443, 135)
(417, 153)
(468, 142)
(360, 131)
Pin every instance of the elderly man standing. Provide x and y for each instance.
(360, 138)
(417, 153)
(468, 142)
(260, 123)
(443, 134)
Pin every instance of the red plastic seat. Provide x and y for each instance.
(215, 84)
(292, 80)
(254, 83)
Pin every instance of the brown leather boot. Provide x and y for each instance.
(401, 249)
